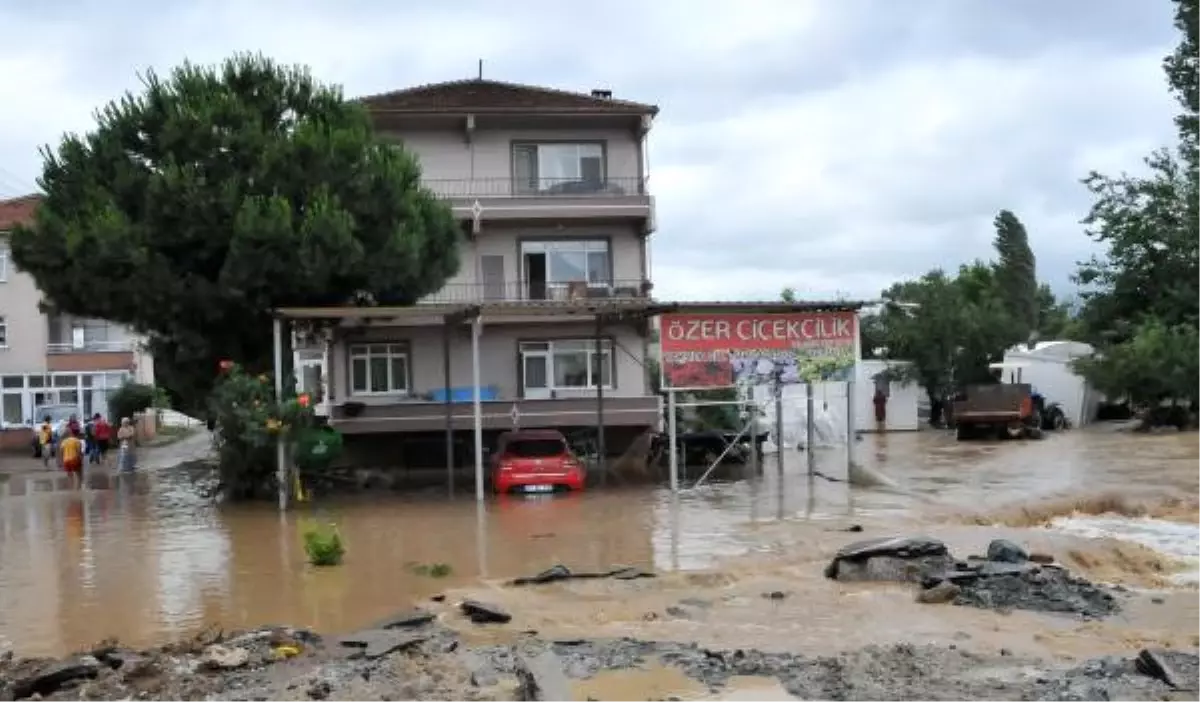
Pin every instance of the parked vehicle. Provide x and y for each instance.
(1002, 410)
(59, 416)
(535, 461)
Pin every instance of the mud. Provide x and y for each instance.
(289, 664)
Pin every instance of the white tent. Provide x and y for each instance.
(1047, 367)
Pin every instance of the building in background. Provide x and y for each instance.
(54, 359)
(550, 188)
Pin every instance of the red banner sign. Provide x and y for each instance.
(719, 350)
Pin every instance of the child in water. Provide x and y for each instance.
(71, 452)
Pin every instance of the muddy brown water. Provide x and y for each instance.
(148, 560)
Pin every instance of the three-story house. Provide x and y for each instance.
(54, 360)
(551, 189)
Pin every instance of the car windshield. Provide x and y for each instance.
(56, 414)
(536, 448)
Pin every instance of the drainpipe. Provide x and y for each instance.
(477, 400)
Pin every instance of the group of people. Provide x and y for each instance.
(75, 443)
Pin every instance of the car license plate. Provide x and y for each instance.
(539, 488)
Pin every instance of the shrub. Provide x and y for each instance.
(131, 398)
(249, 421)
(323, 545)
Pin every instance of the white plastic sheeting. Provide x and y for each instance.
(829, 413)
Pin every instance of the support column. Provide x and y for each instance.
(779, 423)
(477, 401)
(280, 453)
(449, 406)
(851, 418)
(672, 441)
(810, 425)
(601, 447)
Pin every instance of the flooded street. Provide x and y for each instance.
(150, 560)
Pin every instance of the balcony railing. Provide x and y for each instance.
(532, 291)
(91, 347)
(536, 187)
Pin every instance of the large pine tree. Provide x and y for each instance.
(1016, 274)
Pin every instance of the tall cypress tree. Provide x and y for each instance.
(1016, 274)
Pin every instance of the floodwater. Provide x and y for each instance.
(150, 560)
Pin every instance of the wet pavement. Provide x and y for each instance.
(148, 559)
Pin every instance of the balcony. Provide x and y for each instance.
(514, 198)
(542, 293)
(91, 356)
(125, 345)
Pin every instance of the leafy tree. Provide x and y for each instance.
(218, 193)
(1016, 274)
(1142, 295)
(130, 399)
(1157, 363)
(788, 295)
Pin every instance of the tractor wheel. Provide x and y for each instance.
(1058, 421)
(964, 432)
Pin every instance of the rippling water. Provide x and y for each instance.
(150, 560)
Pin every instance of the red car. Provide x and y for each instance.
(536, 460)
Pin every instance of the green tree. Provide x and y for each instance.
(788, 294)
(218, 193)
(1157, 363)
(1016, 275)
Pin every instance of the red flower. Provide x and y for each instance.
(225, 365)
(303, 400)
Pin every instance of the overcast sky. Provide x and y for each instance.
(833, 146)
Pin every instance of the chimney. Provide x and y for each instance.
(602, 94)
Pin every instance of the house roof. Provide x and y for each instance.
(492, 96)
(18, 210)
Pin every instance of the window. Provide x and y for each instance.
(558, 168)
(4, 258)
(378, 369)
(559, 262)
(565, 365)
(3, 333)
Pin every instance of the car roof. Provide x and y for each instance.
(533, 434)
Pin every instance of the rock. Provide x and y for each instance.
(943, 592)
(1005, 652)
(319, 690)
(218, 657)
(629, 573)
(1154, 663)
(1043, 558)
(438, 598)
(904, 559)
(1157, 600)
(678, 612)
(53, 677)
(481, 672)
(411, 618)
(1005, 551)
(550, 575)
(484, 613)
(541, 677)
(775, 595)
(377, 643)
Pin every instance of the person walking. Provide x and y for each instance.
(103, 438)
(126, 436)
(46, 441)
(71, 451)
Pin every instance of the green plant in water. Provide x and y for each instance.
(432, 570)
(324, 546)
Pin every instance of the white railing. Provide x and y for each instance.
(92, 347)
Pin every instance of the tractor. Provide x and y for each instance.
(1005, 410)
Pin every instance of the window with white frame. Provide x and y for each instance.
(577, 364)
(3, 332)
(379, 369)
(558, 167)
(561, 262)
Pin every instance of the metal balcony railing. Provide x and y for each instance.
(90, 347)
(535, 187)
(534, 291)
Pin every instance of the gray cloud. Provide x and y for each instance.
(832, 146)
